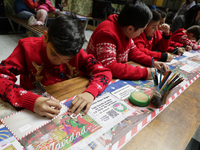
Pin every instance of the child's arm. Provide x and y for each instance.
(31, 4)
(161, 41)
(15, 65)
(184, 40)
(140, 43)
(99, 79)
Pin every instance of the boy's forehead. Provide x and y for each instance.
(153, 23)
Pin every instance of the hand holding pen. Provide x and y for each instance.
(46, 106)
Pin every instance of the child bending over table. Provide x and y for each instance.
(111, 43)
(188, 37)
(147, 41)
(52, 58)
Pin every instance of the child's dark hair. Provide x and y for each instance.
(156, 16)
(162, 13)
(66, 34)
(135, 13)
(195, 30)
(42, 1)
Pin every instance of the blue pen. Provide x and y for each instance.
(152, 63)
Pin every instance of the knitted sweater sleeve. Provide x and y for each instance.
(185, 41)
(99, 75)
(14, 65)
(140, 43)
(161, 42)
(31, 4)
(107, 52)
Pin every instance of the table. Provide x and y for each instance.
(172, 129)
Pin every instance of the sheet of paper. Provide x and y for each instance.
(8, 141)
(173, 61)
(188, 54)
(21, 127)
(190, 66)
(108, 110)
(124, 92)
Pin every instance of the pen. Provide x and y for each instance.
(44, 93)
(152, 62)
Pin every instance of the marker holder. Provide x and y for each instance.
(158, 99)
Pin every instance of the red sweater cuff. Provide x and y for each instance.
(28, 100)
(92, 90)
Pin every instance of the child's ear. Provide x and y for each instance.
(130, 29)
(45, 37)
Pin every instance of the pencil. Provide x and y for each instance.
(176, 83)
(175, 51)
(153, 78)
(165, 77)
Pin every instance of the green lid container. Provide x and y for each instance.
(139, 99)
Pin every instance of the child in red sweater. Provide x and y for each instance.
(174, 47)
(188, 37)
(52, 58)
(111, 43)
(148, 40)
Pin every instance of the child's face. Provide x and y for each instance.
(54, 57)
(131, 33)
(151, 28)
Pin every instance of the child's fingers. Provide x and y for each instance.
(54, 103)
(75, 105)
(87, 108)
(81, 106)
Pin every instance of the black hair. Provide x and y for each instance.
(190, 16)
(162, 13)
(156, 15)
(135, 13)
(195, 30)
(42, 1)
(66, 34)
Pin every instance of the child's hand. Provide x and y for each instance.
(165, 28)
(79, 102)
(46, 107)
(149, 73)
(169, 57)
(188, 48)
(180, 51)
(158, 65)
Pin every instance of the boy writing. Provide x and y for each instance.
(147, 41)
(111, 43)
(188, 37)
(52, 58)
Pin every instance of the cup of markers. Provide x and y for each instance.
(163, 87)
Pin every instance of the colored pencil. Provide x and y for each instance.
(165, 78)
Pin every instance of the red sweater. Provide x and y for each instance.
(112, 48)
(172, 44)
(180, 37)
(30, 61)
(159, 42)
